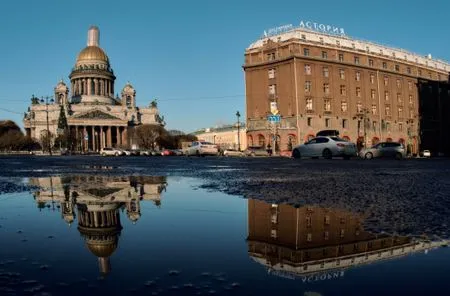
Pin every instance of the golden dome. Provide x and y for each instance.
(102, 250)
(91, 53)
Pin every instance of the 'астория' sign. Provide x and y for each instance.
(314, 26)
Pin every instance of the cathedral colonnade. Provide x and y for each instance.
(93, 86)
(95, 137)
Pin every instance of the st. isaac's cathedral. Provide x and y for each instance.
(94, 115)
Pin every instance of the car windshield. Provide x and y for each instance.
(337, 139)
(206, 143)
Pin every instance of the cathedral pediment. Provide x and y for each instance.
(96, 114)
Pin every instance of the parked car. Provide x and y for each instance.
(232, 152)
(168, 152)
(201, 148)
(426, 153)
(384, 149)
(256, 151)
(111, 152)
(146, 152)
(178, 152)
(326, 147)
(135, 152)
(126, 152)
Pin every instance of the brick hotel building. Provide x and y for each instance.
(368, 92)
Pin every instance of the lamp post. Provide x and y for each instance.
(238, 133)
(47, 99)
(362, 116)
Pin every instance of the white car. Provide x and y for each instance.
(233, 152)
(326, 147)
(426, 153)
(110, 152)
(200, 148)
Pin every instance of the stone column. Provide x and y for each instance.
(101, 90)
(89, 86)
(108, 137)
(93, 138)
(85, 146)
(124, 137)
(102, 144)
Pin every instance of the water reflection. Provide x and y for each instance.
(95, 201)
(316, 243)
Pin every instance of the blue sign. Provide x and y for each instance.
(274, 118)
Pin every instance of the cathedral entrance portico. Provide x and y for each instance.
(96, 137)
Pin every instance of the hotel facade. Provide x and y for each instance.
(319, 80)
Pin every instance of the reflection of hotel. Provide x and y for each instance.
(309, 241)
(98, 201)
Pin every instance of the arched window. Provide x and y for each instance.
(347, 138)
(128, 101)
(292, 141)
(261, 141)
(250, 140)
(375, 140)
(389, 140)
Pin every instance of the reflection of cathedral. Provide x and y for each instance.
(95, 116)
(310, 241)
(97, 201)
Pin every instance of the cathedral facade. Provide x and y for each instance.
(95, 117)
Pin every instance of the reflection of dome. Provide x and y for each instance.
(92, 53)
(69, 218)
(134, 216)
(102, 250)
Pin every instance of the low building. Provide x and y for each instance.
(226, 137)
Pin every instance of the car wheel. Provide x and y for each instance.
(296, 154)
(252, 154)
(327, 154)
(368, 155)
(104, 154)
(398, 155)
(117, 154)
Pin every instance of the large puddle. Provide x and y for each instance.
(150, 235)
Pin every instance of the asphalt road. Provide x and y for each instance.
(407, 197)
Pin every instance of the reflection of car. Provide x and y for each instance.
(326, 147)
(110, 152)
(426, 153)
(256, 151)
(178, 152)
(200, 148)
(328, 133)
(384, 149)
(135, 152)
(146, 152)
(126, 152)
(232, 152)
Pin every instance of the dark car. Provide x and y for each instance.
(328, 133)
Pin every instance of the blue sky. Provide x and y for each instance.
(187, 54)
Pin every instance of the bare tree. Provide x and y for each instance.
(148, 135)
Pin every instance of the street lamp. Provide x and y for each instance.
(238, 133)
(47, 99)
(363, 116)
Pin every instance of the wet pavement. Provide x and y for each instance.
(218, 226)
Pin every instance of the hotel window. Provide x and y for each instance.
(344, 106)
(358, 76)
(342, 233)
(370, 62)
(303, 36)
(358, 92)
(341, 57)
(356, 60)
(410, 99)
(326, 88)
(306, 52)
(272, 89)
(386, 81)
(400, 126)
(326, 220)
(387, 110)
(374, 109)
(386, 95)
(399, 84)
(374, 126)
(309, 104)
(307, 86)
(344, 123)
(325, 72)
(271, 73)
(410, 85)
(384, 65)
(324, 55)
(309, 121)
(338, 43)
(309, 237)
(419, 72)
(307, 69)
(408, 70)
(372, 78)
(273, 233)
(430, 74)
(327, 105)
(359, 107)
(308, 221)
(411, 113)
(372, 93)
(342, 74)
(327, 122)
(343, 90)
(326, 235)
(400, 114)
(399, 98)
(321, 40)
(271, 56)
